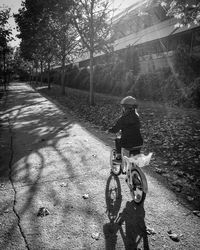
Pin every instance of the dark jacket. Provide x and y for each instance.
(129, 124)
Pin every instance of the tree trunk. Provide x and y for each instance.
(49, 85)
(91, 78)
(63, 76)
(30, 77)
(36, 75)
(41, 73)
(4, 71)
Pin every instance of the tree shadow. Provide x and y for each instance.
(28, 124)
(43, 128)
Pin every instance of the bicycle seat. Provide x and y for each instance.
(131, 151)
(134, 148)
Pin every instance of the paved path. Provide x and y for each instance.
(49, 160)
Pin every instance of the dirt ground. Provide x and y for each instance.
(50, 159)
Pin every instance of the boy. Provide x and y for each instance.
(129, 125)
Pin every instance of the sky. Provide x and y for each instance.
(16, 4)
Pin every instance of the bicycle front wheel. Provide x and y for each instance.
(137, 189)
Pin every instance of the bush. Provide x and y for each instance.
(192, 97)
(186, 64)
(172, 89)
(71, 74)
(162, 85)
(147, 86)
(175, 91)
(82, 79)
(109, 78)
(101, 78)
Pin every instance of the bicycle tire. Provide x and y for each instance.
(115, 168)
(137, 191)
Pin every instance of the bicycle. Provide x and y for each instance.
(131, 165)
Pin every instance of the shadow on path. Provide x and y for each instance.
(38, 126)
(130, 223)
(30, 128)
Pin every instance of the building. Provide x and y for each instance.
(155, 35)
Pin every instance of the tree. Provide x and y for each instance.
(47, 33)
(90, 17)
(20, 66)
(5, 37)
(28, 21)
(64, 34)
(187, 12)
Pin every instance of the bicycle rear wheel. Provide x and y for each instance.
(137, 189)
(115, 166)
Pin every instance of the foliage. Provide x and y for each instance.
(64, 35)
(5, 50)
(147, 86)
(28, 24)
(46, 32)
(5, 31)
(91, 20)
(20, 66)
(195, 93)
(103, 78)
(172, 89)
(72, 72)
(183, 62)
(81, 80)
(186, 12)
(131, 60)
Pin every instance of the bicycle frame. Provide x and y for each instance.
(131, 166)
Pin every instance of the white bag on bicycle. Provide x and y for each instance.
(141, 160)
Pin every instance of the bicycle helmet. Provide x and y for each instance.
(129, 101)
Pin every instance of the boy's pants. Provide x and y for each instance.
(118, 147)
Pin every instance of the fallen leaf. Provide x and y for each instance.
(85, 196)
(150, 231)
(190, 198)
(173, 236)
(64, 184)
(174, 163)
(43, 211)
(160, 171)
(96, 236)
(196, 212)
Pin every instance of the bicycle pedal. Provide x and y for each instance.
(117, 162)
(132, 188)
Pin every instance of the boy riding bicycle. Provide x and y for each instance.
(129, 126)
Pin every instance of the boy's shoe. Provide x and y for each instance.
(124, 172)
(118, 156)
